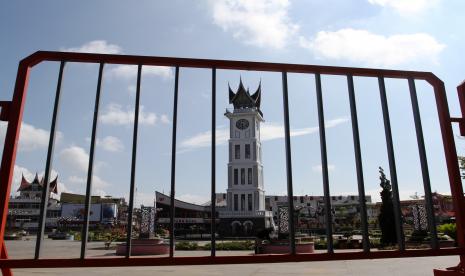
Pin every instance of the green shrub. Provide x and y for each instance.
(449, 229)
(233, 245)
(187, 245)
(419, 236)
(321, 244)
(77, 235)
(375, 242)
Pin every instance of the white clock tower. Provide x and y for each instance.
(245, 193)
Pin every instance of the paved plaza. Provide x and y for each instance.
(70, 249)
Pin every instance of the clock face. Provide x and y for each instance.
(242, 124)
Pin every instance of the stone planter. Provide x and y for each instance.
(144, 247)
(282, 247)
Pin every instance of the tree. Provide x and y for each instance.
(386, 216)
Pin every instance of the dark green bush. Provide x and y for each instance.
(419, 236)
(233, 245)
(449, 229)
(187, 245)
(321, 244)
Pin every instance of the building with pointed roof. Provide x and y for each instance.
(27, 187)
(245, 213)
(24, 209)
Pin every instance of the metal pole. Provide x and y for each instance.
(133, 164)
(358, 164)
(324, 164)
(213, 168)
(173, 162)
(392, 165)
(85, 228)
(48, 166)
(287, 136)
(424, 165)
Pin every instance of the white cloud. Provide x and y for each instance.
(76, 179)
(31, 138)
(141, 198)
(132, 90)
(362, 46)
(111, 143)
(116, 115)
(97, 182)
(319, 168)
(263, 23)
(96, 46)
(164, 119)
(130, 72)
(404, 7)
(204, 139)
(269, 131)
(75, 158)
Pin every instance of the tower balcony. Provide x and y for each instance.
(245, 214)
(243, 110)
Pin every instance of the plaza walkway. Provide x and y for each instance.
(380, 267)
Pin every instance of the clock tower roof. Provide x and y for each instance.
(243, 99)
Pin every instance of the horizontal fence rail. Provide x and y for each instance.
(12, 113)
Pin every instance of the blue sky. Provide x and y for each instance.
(413, 35)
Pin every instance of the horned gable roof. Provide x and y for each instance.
(26, 185)
(242, 97)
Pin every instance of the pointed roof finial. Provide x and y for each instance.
(231, 94)
(36, 178)
(242, 98)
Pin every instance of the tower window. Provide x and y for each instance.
(242, 202)
(249, 175)
(236, 176)
(236, 203)
(247, 151)
(242, 176)
(237, 151)
(249, 201)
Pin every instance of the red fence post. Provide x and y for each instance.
(15, 115)
(452, 169)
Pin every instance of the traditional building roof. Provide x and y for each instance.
(27, 186)
(243, 99)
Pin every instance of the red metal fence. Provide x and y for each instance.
(12, 113)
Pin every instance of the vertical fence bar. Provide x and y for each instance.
(173, 162)
(450, 152)
(424, 164)
(324, 164)
(290, 193)
(14, 118)
(392, 164)
(48, 166)
(133, 164)
(213, 169)
(90, 169)
(358, 164)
